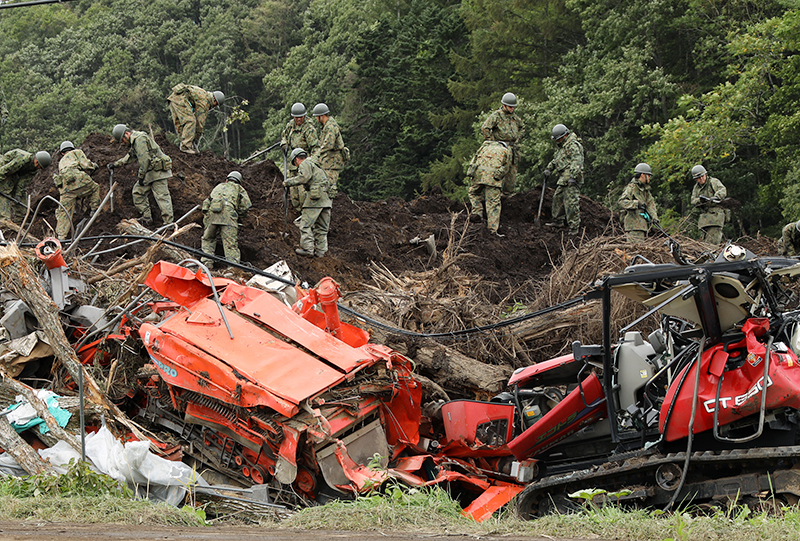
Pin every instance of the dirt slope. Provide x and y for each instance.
(361, 232)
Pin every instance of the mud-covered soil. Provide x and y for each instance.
(361, 232)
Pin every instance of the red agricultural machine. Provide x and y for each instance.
(705, 407)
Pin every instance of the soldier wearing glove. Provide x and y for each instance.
(567, 164)
(189, 106)
(707, 194)
(74, 184)
(155, 168)
(223, 209)
(315, 219)
(298, 133)
(638, 205)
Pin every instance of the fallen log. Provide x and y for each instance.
(20, 279)
(28, 459)
(132, 227)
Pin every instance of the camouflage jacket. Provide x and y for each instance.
(490, 164)
(331, 152)
(226, 204)
(201, 101)
(72, 171)
(303, 136)
(568, 161)
(789, 244)
(636, 195)
(153, 163)
(504, 126)
(17, 164)
(711, 214)
(315, 182)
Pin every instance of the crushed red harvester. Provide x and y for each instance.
(301, 402)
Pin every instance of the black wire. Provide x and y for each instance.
(464, 334)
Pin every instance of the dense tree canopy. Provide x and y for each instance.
(670, 82)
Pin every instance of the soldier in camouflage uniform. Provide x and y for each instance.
(74, 184)
(227, 204)
(315, 219)
(17, 169)
(298, 134)
(331, 154)
(567, 164)
(155, 168)
(707, 193)
(486, 173)
(638, 204)
(189, 106)
(789, 245)
(505, 125)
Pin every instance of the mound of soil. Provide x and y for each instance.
(361, 232)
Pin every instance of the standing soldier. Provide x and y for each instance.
(638, 204)
(789, 245)
(227, 204)
(567, 164)
(331, 154)
(505, 125)
(17, 169)
(315, 219)
(155, 168)
(298, 134)
(73, 183)
(189, 106)
(486, 172)
(706, 197)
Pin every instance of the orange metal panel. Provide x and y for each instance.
(254, 353)
(490, 501)
(273, 313)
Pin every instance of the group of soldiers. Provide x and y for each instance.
(311, 176)
(492, 174)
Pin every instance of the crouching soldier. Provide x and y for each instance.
(315, 217)
(74, 184)
(17, 169)
(227, 204)
(486, 172)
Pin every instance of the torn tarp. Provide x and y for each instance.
(22, 416)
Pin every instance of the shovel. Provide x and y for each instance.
(537, 222)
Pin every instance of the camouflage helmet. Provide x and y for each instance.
(118, 131)
(642, 169)
(559, 131)
(320, 109)
(44, 159)
(509, 99)
(797, 226)
(298, 109)
(219, 97)
(65, 146)
(295, 153)
(698, 171)
(235, 176)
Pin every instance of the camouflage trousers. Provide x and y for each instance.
(229, 234)
(786, 244)
(510, 179)
(333, 180)
(566, 208)
(16, 189)
(185, 123)
(160, 190)
(480, 193)
(314, 224)
(635, 235)
(69, 200)
(712, 235)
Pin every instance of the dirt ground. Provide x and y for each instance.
(39, 531)
(361, 232)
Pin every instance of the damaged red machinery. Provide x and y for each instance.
(703, 408)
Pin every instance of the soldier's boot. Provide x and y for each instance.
(306, 253)
(476, 218)
(146, 220)
(319, 254)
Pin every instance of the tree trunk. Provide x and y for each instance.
(26, 457)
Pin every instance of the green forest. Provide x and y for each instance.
(670, 82)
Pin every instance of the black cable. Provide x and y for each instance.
(464, 334)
